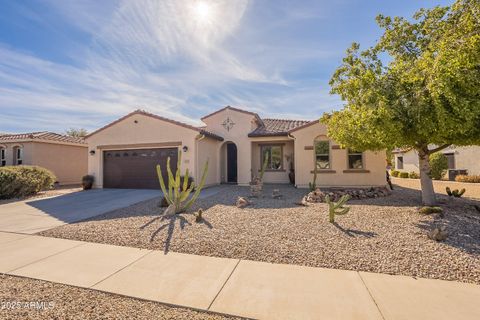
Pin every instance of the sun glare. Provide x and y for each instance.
(202, 11)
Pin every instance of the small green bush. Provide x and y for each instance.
(21, 181)
(430, 210)
(403, 175)
(469, 179)
(413, 175)
(438, 165)
(395, 173)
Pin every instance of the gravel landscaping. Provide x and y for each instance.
(67, 302)
(385, 235)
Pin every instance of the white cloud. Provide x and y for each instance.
(160, 56)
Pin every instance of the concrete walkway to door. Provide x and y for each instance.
(236, 287)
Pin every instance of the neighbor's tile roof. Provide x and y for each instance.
(42, 135)
(276, 127)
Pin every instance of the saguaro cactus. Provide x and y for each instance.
(177, 194)
(337, 208)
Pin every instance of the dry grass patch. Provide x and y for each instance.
(385, 235)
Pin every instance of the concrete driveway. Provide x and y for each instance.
(38, 215)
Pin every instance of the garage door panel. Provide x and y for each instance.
(136, 169)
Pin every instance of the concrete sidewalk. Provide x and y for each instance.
(236, 287)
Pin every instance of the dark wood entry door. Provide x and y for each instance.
(136, 169)
(231, 163)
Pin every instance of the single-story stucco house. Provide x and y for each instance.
(65, 156)
(459, 159)
(124, 153)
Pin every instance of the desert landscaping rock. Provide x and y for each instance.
(67, 302)
(383, 234)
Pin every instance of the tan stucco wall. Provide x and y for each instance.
(238, 134)
(207, 149)
(147, 130)
(273, 176)
(410, 161)
(27, 152)
(468, 158)
(374, 162)
(67, 162)
(465, 158)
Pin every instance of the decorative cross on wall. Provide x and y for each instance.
(228, 124)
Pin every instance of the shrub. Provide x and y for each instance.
(438, 165)
(469, 179)
(403, 175)
(413, 175)
(395, 173)
(430, 210)
(21, 181)
(87, 182)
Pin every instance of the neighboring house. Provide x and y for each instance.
(124, 153)
(63, 155)
(459, 158)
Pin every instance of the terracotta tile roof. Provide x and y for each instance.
(201, 130)
(42, 135)
(277, 127)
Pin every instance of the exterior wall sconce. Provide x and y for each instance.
(185, 148)
(92, 152)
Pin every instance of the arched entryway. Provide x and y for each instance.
(229, 168)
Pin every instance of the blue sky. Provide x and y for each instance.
(85, 63)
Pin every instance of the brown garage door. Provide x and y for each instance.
(136, 169)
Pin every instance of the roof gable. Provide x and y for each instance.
(151, 115)
(257, 117)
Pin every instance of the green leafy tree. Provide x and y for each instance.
(438, 165)
(417, 88)
(77, 133)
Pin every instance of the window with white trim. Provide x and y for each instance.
(355, 159)
(3, 157)
(322, 154)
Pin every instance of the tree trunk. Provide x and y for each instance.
(428, 194)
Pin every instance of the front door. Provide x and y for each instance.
(231, 163)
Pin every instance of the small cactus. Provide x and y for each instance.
(198, 216)
(455, 193)
(337, 208)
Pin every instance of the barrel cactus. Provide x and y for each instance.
(179, 189)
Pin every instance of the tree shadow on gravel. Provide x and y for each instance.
(355, 233)
(463, 229)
